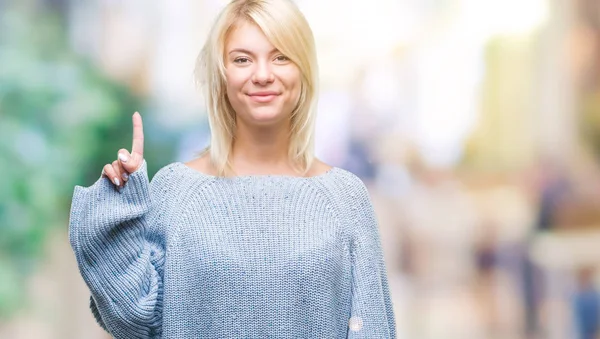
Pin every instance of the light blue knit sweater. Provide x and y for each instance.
(190, 255)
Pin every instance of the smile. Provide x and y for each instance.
(263, 97)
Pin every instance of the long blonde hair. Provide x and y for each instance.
(287, 29)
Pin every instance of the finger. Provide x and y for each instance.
(122, 169)
(116, 179)
(127, 162)
(104, 170)
(110, 173)
(137, 148)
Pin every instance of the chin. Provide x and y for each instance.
(265, 116)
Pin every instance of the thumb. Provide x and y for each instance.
(130, 162)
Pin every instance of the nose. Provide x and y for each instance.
(263, 74)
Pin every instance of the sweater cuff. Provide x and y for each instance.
(102, 206)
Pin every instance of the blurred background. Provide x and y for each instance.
(474, 123)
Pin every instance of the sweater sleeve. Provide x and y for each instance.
(372, 314)
(119, 253)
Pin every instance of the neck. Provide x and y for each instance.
(261, 150)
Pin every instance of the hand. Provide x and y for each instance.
(118, 172)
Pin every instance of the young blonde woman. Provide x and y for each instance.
(253, 239)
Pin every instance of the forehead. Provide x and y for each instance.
(247, 35)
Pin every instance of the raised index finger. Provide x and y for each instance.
(137, 148)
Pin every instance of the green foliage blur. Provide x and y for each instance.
(61, 120)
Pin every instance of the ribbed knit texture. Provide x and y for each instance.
(190, 255)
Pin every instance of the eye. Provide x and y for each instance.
(282, 58)
(241, 60)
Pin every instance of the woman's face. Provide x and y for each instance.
(263, 85)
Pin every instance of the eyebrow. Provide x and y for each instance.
(242, 50)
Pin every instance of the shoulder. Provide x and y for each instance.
(348, 189)
(354, 203)
(202, 164)
(171, 175)
(345, 181)
(318, 167)
(174, 169)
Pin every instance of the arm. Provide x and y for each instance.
(120, 254)
(372, 314)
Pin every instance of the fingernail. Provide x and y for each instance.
(117, 182)
(123, 157)
(125, 176)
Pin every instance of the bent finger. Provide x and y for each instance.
(117, 173)
(109, 172)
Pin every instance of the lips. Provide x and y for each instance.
(264, 96)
